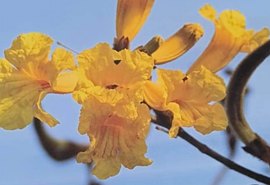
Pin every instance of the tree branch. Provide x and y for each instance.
(57, 149)
(165, 121)
(255, 145)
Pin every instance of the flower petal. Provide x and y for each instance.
(116, 137)
(214, 119)
(155, 95)
(126, 71)
(131, 16)
(42, 115)
(18, 95)
(27, 48)
(104, 169)
(63, 59)
(230, 36)
(190, 100)
(258, 39)
(177, 120)
(16, 112)
(210, 86)
(205, 118)
(134, 156)
(178, 43)
(171, 81)
(208, 12)
(65, 82)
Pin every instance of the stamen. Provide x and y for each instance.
(64, 46)
(44, 84)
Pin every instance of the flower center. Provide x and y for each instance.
(44, 84)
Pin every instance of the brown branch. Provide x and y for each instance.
(255, 145)
(165, 121)
(56, 149)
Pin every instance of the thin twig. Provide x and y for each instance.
(164, 121)
(255, 145)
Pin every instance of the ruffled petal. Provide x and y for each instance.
(230, 37)
(213, 118)
(258, 39)
(191, 100)
(5, 68)
(42, 115)
(177, 120)
(63, 59)
(171, 81)
(210, 86)
(126, 72)
(131, 16)
(31, 75)
(208, 12)
(178, 43)
(203, 117)
(133, 145)
(28, 48)
(117, 135)
(124, 68)
(18, 95)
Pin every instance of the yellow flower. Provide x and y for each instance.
(177, 44)
(104, 69)
(110, 89)
(230, 38)
(27, 75)
(191, 98)
(117, 130)
(131, 15)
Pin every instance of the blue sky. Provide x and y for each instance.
(80, 25)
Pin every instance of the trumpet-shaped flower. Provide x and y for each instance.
(230, 38)
(131, 15)
(191, 98)
(117, 128)
(27, 75)
(104, 69)
(110, 89)
(178, 44)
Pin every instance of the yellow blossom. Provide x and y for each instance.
(117, 131)
(104, 69)
(191, 98)
(27, 75)
(177, 44)
(110, 89)
(230, 38)
(131, 15)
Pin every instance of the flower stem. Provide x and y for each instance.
(164, 121)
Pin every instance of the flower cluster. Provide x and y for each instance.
(114, 86)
